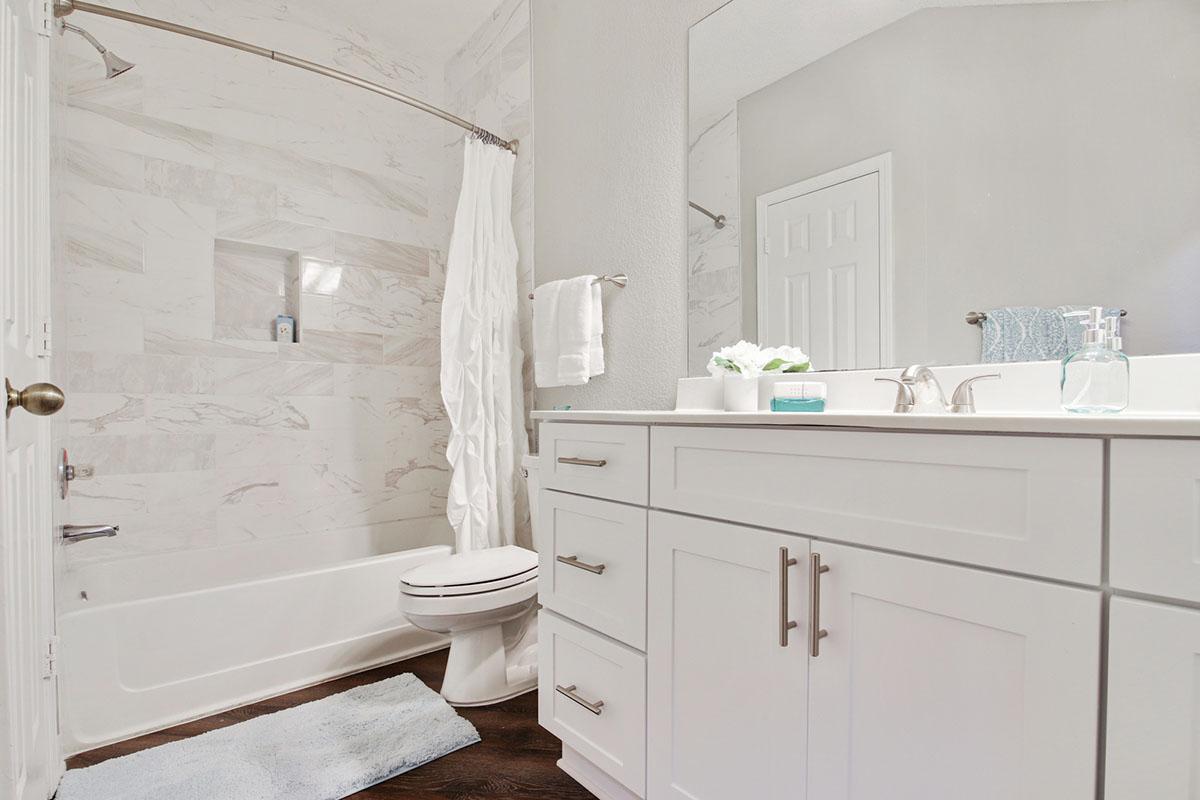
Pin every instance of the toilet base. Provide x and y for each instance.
(530, 685)
(481, 671)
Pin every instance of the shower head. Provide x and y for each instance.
(114, 65)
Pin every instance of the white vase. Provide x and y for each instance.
(741, 393)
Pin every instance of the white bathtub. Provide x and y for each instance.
(168, 638)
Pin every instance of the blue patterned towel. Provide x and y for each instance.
(1030, 333)
(1024, 333)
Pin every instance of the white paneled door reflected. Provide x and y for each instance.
(821, 268)
(29, 765)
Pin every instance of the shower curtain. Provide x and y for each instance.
(481, 356)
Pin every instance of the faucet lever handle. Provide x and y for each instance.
(963, 401)
(905, 400)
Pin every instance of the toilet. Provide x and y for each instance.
(486, 602)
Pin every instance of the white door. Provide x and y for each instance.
(1153, 702)
(725, 700)
(937, 681)
(29, 762)
(822, 267)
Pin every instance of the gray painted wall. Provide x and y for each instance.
(1043, 155)
(610, 89)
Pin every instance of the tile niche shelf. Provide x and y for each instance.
(253, 284)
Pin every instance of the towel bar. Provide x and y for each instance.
(977, 317)
(619, 280)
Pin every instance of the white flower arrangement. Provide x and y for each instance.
(749, 360)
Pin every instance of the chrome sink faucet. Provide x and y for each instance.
(918, 389)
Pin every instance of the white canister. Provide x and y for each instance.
(700, 394)
(741, 393)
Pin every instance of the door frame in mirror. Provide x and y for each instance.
(880, 165)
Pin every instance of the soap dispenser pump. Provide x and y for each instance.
(1095, 380)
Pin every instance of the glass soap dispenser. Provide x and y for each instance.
(1095, 380)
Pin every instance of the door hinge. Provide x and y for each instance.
(45, 14)
(50, 666)
(44, 340)
(766, 245)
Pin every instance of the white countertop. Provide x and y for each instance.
(1063, 424)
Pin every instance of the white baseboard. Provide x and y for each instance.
(592, 778)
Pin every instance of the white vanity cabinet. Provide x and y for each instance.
(834, 614)
(1153, 701)
(727, 683)
(933, 676)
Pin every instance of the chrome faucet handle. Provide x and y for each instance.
(904, 395)
(963, 401)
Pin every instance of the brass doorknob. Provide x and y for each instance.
(42, 399)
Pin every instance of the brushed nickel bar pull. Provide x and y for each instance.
(573, 561)
(81, 533)
(815, 632)
(582, 462)
(785, 624)
(569, 693)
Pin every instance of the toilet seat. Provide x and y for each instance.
(474, 573)
(455, 605)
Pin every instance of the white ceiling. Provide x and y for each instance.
(748, 44)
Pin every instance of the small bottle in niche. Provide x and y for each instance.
(1095, 380)
(285, 328)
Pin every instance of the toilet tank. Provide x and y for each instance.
(532, 484)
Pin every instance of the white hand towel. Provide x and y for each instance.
(596, 349)
(545, 334)
(563, 332)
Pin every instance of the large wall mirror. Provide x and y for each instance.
(890, 182)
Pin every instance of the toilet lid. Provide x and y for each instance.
(480, 570)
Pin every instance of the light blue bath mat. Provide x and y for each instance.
(323, 750)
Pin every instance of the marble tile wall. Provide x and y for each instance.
(714, 271)
(202, 431)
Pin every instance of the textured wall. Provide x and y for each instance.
(610, 89)
(202, 430)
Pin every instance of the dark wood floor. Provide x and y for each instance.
(515, 760)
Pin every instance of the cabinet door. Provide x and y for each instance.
(936, 681)
(1153, 702)
(726, 718)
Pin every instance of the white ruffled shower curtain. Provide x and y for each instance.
(481, 356)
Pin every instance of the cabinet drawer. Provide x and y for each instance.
(1155, 517)
(1024, 504)
(606, 720)
(592, 564)
(609, 461)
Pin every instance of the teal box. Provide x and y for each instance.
(797, 403)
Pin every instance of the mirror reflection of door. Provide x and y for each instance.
(823, 279)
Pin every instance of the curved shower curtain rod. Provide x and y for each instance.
(718, 219)
(63, 8)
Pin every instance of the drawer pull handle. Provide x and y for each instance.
(582, 462)
(569, 693)
(785, 624)
(573, 561)
(815, 632)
